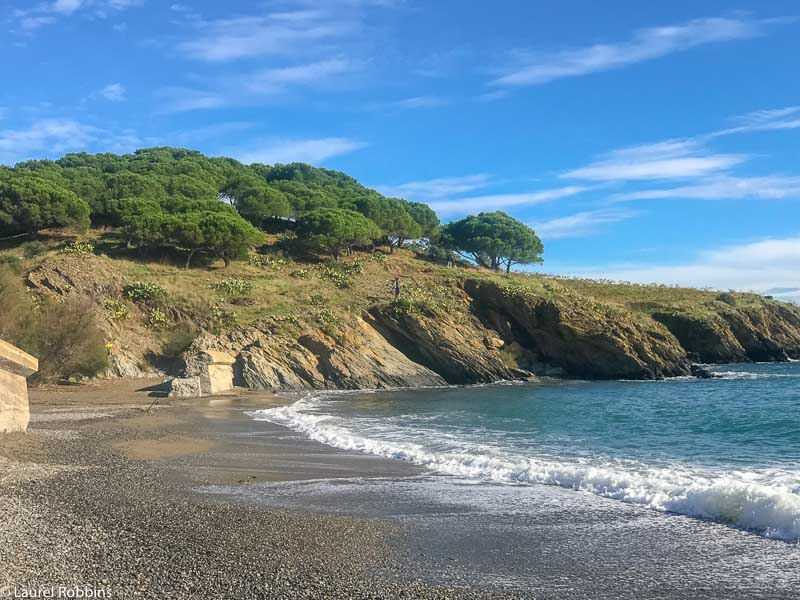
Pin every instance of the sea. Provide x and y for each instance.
(725, 450)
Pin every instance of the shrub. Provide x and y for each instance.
(179, 339)
(33, 249)
(11, 262)
(117, 310)
(67, 340)
(78, 248)
(317, 300)
(155, 319)
(378, 257)
(232, 286)
(301, 274)
(340, 273)
(145, 292)
(267, 262)
(727, 298)
(326, 317)
(223, 317)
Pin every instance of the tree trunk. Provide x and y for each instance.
(189, 258)
(227, 261)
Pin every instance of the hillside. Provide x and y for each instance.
(132, 264)
(314, 324)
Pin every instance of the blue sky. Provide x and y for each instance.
(643, 141)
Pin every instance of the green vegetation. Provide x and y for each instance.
(304, 250)
(169, 202)
(145, 292)
(336, 230)
(65, 335)
(494, 240)
(29, 203)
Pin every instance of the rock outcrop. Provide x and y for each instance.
(359, 358)
(447, 328)
(461, 350)
(584, 338)
(766, 332)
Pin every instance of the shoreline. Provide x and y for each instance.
(100, 493)
(197, 498)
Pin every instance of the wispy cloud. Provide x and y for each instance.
(581, 224)
(498, 201)
(725, 187)
(49, 138)
(432, 189)
(645, 44)
(416, 103)
(672, 159)
(114, 92)
(764, 120)
(48, 13)
(313, 151)
(184, 99)
(762, 265)
(255, 86)
(278, 80)
(274, 34)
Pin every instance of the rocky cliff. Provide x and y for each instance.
(449, 326)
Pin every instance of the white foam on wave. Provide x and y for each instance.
(766, 502)
(751, 375)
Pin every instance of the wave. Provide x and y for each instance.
(767, 503)
(750, 375)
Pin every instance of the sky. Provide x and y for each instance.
(643, 141)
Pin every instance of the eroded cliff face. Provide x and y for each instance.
(357, 358)
(766, 332)
(581, 337)
(493, 334)
(482, 329)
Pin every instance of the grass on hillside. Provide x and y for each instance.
(290, 291)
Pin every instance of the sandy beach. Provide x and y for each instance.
(100, 494)
(197, 500)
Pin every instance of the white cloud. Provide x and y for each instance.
(764, 120)
(672, 159)
(580, 224)
(418, 102)
(497, 201)
(279, 33)
(47, 13)
(254, 86)
(277, 80)
(761, 266)
(182, 99)
(645, 44)
(114, 92)
(44, 137)
(312, 151)
(47, 138)
(725, 187)
(444, 187)
(65, 7)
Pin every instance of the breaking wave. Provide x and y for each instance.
(766, 502)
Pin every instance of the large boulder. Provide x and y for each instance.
(15, 366)
(214, 369)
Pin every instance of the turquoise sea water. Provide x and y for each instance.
(725, 449)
